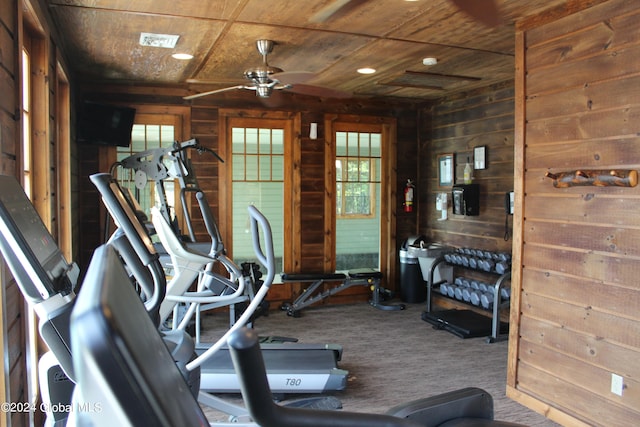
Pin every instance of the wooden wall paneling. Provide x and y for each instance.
(459, 124)
(13, 373)
(576, 325)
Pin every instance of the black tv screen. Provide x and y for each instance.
(103, 124)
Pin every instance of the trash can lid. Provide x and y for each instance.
(414, 241)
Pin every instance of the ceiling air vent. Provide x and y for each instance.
(159, 40)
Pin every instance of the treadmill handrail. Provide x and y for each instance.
(268, 260)
(247, 359)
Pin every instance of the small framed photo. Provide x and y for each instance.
(445, 170)
(480, 157)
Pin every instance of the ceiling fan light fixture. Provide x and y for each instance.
(366, 70)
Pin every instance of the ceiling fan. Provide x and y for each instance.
(484, 11)
(265, 79)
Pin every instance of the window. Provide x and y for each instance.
(257, 179)
(146, 136)
(358, 157)
(26, 121)
(357, 173)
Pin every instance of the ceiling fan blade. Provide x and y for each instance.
(334, 10)
(293, 77)
(211, 92)
(319, 91)
(484, 11)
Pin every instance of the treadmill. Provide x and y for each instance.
(291, 367)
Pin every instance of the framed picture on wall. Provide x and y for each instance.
(480, 157)
(445, 170)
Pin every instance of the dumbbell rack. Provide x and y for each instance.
(498, 301)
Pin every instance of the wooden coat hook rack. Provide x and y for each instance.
(597, 178)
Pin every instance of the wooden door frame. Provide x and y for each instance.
(388, 129)
(292, 154)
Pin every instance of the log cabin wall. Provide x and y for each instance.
(204, 125)
(457, 125)
(577, 290)
(12, 319)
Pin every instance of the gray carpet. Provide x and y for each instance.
(394, 357)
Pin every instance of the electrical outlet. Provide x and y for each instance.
(617, 384)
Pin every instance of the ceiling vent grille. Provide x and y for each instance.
(159, 40)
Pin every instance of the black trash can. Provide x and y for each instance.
(412, 288)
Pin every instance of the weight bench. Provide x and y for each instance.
(358, 277)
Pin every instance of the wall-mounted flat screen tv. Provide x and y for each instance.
(102, 124)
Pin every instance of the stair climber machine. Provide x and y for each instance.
(159, 165)
(292, 367)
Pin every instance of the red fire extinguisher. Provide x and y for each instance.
(408, 196)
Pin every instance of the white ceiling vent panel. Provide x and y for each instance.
(159, 40)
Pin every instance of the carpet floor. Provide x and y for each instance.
(393, 357)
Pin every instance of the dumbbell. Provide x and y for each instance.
(505, 293)
(451, 291)
(457, 293)
(502, 267)
(486, 300)
(466, 294)
(475, 297)
(465, 260)
(490, 289)
(444, 288)
(473, 262)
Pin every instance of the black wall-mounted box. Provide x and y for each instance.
(466, 199)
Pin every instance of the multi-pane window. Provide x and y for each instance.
(257, 179)
(357, 173)
(145, 137)
(358, 166)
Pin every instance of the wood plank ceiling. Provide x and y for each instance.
(101, 39)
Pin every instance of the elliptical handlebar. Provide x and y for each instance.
(249, 365)
(210, 224)
(267, 259)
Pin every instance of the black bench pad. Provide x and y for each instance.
(311, 277)
(365, 273)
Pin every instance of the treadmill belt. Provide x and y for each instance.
(279, 361)
(462, 323)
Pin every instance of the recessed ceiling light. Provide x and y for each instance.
(182, 56)
(159, 40)
(429, 61)
(366, 70)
